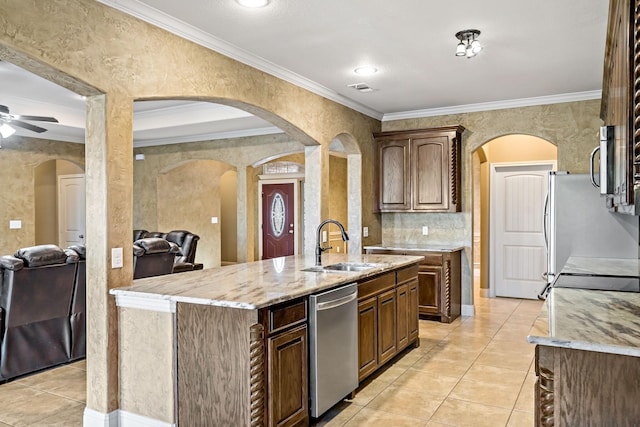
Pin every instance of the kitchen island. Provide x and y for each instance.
(228, 346)
(439, 277)
(587, 357)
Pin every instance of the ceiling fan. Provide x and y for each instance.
(8, 121)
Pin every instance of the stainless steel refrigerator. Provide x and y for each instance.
(578, 223)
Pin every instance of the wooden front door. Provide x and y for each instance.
(278, 226)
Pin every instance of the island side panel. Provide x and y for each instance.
(146, 357)
(214, 372)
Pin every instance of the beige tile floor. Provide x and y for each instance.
(476, 371)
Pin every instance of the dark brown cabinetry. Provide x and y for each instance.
(621, 99)
(287, 372)
(386, 304)
(439, 282)
(419, 170)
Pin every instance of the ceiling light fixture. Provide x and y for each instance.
(6, 131)
(253, 3)
(365, 70)
(469, 45)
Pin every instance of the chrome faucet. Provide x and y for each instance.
(320, 249)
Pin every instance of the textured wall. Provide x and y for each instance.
(19, 158)
(188, 196)
(147, 363)
(573, 127)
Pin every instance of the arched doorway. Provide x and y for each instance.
(514, 149)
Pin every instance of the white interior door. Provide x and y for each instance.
(71, 210)
(518, 251)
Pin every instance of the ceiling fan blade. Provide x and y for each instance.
(27, 126)
(35, 118)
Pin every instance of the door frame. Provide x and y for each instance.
(492, 209)
(294, 179)
(59, 207)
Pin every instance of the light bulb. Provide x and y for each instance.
(460, 50)
(6, 131)
(476, 46)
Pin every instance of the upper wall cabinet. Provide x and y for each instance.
(419, 170)
(621, 101)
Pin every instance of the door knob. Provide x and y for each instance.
(81, 236)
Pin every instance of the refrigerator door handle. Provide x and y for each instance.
(545, 215)
(592, 167)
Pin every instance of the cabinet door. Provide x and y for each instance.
(402, 325)
(287, 377)
(429, 283)
(430, 171)
(413, 310)
(367, 336)
(386, 326)
(394, 189)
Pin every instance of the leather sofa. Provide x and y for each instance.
(35, 298)
(77, 318)
(153, 256)
(187, 243)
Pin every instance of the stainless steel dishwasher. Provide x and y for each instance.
(333, 324)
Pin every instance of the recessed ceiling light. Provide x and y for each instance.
(365, 70)
(253, 3)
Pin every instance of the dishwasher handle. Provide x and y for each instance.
(336, 302)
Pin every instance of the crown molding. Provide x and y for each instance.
(207, 137)
(191, 33)
(497, 105)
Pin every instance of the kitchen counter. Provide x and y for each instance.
(415, 247)
(599, 321)
(602, 266)
(253, 285)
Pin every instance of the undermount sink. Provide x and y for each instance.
(342, 267)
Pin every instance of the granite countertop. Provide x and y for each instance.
(257, 284)
(601, 321)
(416, 247)
(602, 266)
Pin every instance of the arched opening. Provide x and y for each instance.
(514, 149)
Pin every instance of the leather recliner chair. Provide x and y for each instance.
(35, 298)
(187, 243)
(153, 256)
(78, 316)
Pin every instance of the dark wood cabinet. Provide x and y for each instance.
(386, 304)
(287, 402)
(419, 170)
(439, 292)
(367, 336)
(287, 377)
(393, 167)
(402, 304)
(621, 101)
(386, 326)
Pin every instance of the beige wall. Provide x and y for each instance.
(23, 181)
(188, 197)
(338, 200)
(505, 149)
(573, 127)
(228, 217)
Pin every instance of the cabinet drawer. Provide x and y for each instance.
(432, 258)
(407, 273)
(284, 316)
(377, 285)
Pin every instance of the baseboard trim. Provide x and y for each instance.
(485, 293)
(468, 310)
(129, 419)
(93, 418)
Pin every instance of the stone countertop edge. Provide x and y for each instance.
(255, 285)
(602, 266)
(415, 247)
(580, 319)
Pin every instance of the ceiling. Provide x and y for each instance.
(535, 52)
